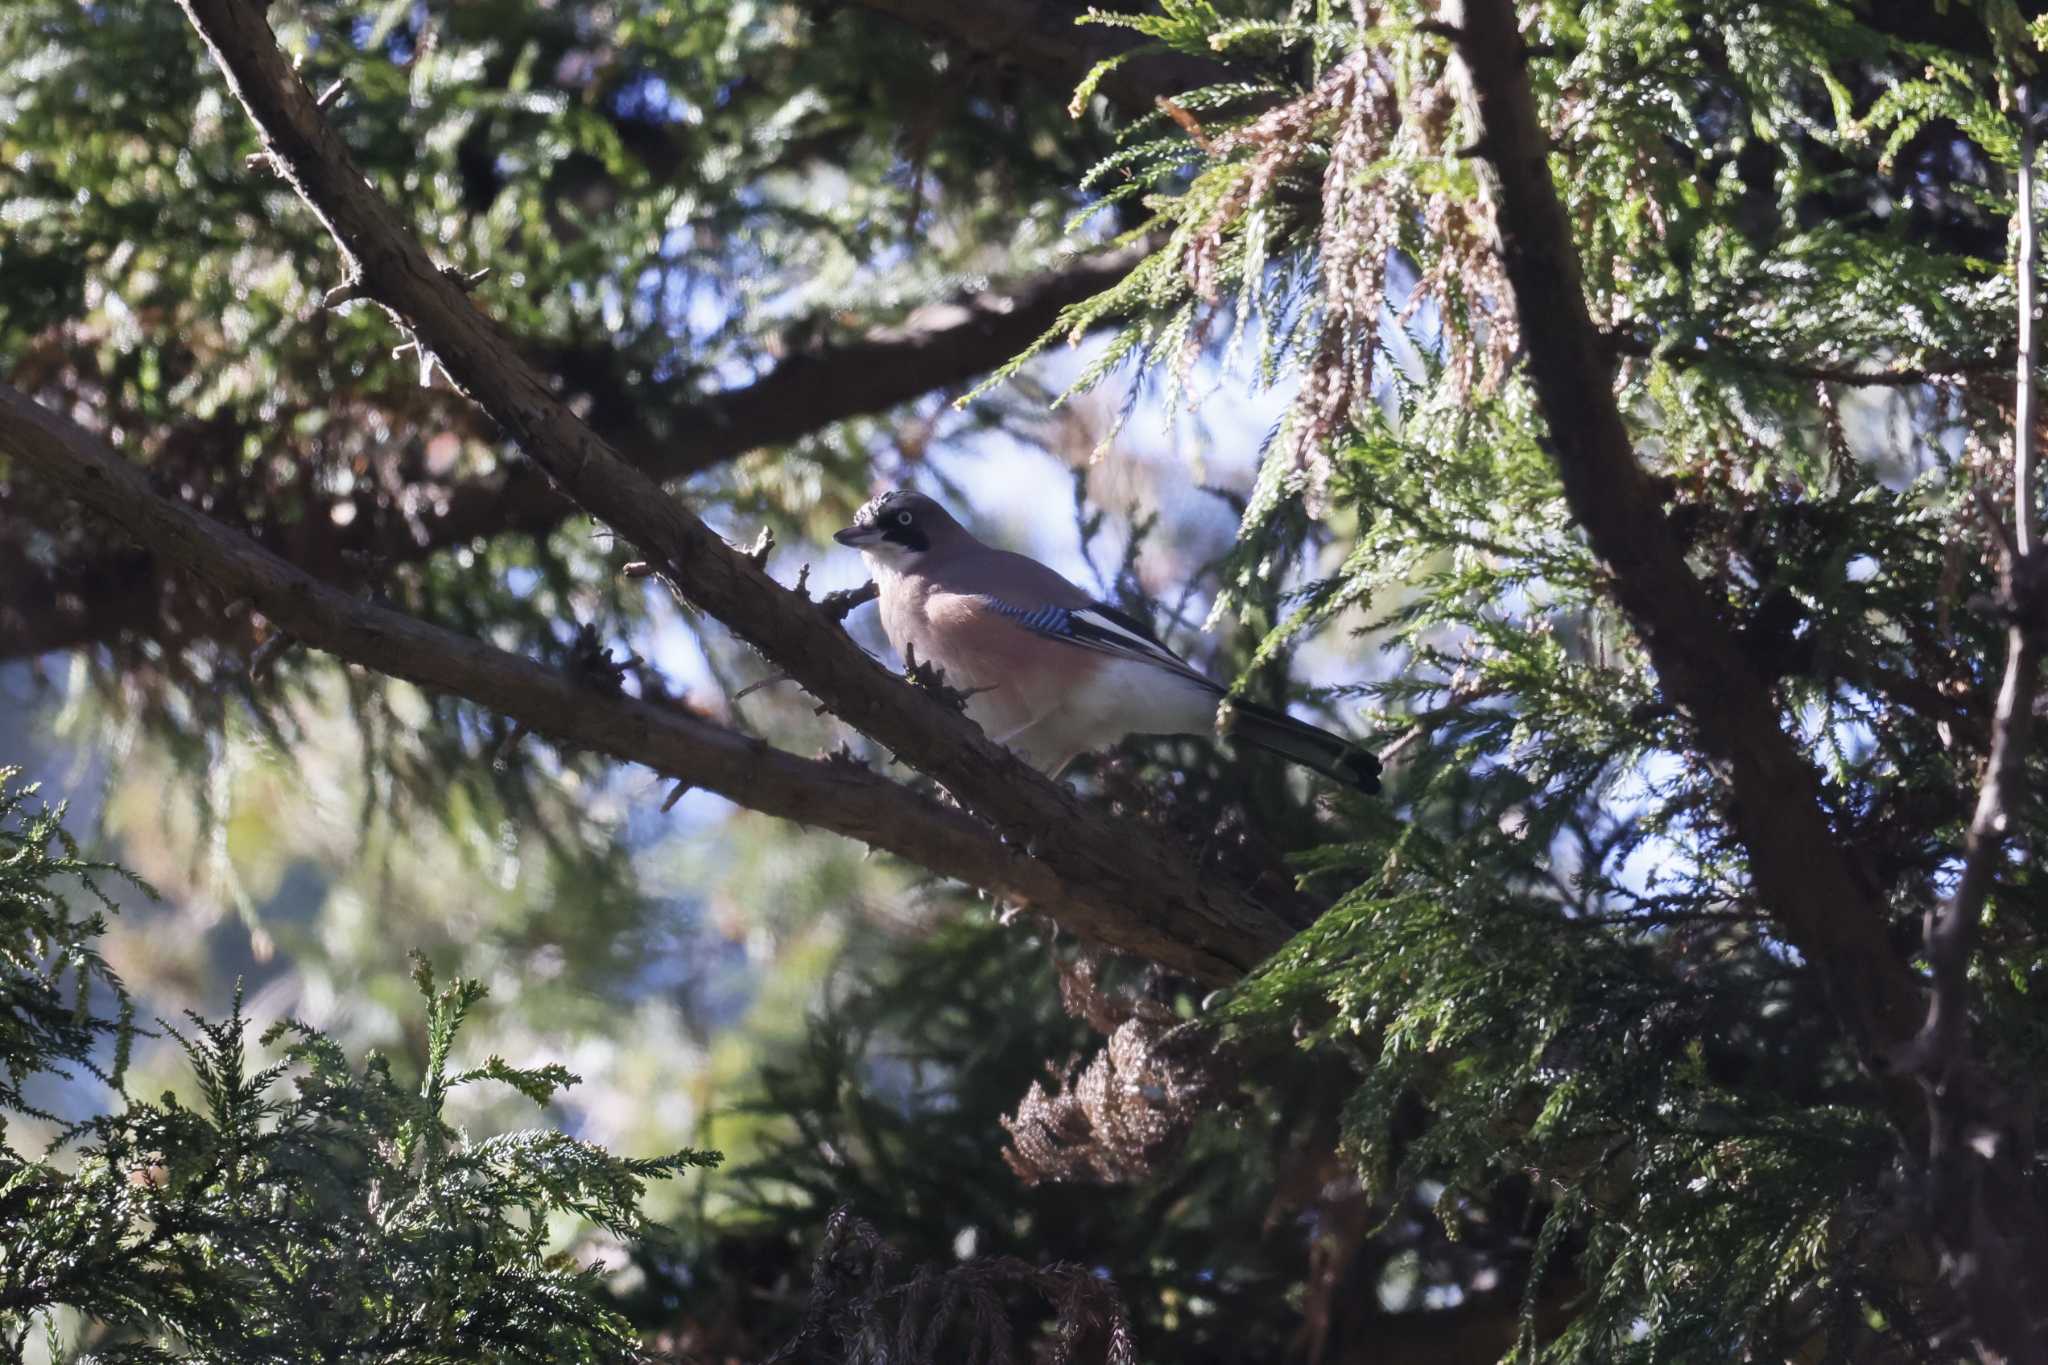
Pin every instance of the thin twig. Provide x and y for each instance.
(1977, 1191)
(1726, 351)
(1189, 124)
(751, 688)
(2023, 397)
(1460, 696)
(1952, 928)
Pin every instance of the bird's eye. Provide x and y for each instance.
(903, 518)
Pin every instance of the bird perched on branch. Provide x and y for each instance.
(1047, 669)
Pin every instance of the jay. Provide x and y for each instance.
(1050, 671)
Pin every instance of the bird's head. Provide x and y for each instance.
(901, 527)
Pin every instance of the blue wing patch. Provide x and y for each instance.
(1104, 629)
(1045, 620)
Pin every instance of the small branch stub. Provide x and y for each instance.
(840, 605)
(347, 292)
(845, 757)
(267, 654)
(591, 662)
(932, 678)
(502, 758)
(465, 282)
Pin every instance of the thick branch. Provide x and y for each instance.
(94, 598)
(1160, 885)
(842, 797)
(1802, 875)
(1981, 1215)
(1040, 38)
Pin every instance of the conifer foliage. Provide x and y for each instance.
(1688, 460)
(1659, 423)
(301, 1209)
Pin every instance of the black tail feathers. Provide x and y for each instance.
(1297, 741)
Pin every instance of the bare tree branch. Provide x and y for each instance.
(1984, 1221)
(1801, 873)
(94, 598)
(842, 797)
(1161, 885)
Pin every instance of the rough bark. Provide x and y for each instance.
(842, 797)
(1158, 883)
(1801, 874)
(1982, 1221)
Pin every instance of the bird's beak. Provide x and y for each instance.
(858, 536)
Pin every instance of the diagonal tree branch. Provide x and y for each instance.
(94, 598)
(842, 797)
(1984, 1221)
(1801, 872)
(1160, 884)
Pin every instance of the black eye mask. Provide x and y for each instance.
(911, 537)
(887, 515)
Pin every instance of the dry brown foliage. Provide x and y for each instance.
(1373, 142)
(1115, 1119)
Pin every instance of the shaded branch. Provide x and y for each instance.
(1980, 1219)
(1722, 350)
(1978, 1194)
(94, 598)
(1802, 875)
(1159, 884)
(1951, 934)
(842, 797)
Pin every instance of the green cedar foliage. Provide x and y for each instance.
(303, 1209)
(1793, 225)
(1543, 970)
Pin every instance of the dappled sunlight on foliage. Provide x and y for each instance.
(1602, 413)
(295, 1206)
